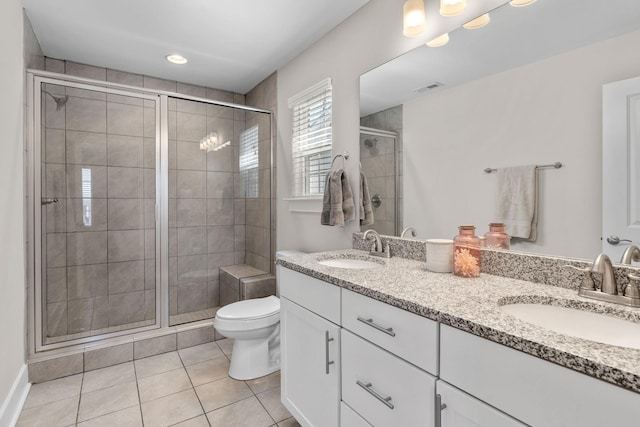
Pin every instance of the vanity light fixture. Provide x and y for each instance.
(176, 59)
(414, 20)
(211, 142)
(479, 22)
(521, 3)
(439, 41)
(452, 7)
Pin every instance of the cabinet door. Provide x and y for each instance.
(310, 366)
(462, 410)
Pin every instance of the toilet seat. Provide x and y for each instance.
(248, 314)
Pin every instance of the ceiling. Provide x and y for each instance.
(230, 44)
(514, 37)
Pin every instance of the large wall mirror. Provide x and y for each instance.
(525, 89)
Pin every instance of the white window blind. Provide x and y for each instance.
(311, 145)
(249, 150)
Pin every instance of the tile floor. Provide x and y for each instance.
(188, 388)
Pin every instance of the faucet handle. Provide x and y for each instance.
(587, 280)
(632, 289)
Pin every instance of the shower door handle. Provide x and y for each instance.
(48, 200)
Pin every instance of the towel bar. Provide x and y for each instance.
(556, 165)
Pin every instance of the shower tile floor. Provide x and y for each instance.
(188, 388)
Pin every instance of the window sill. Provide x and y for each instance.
(305, 204)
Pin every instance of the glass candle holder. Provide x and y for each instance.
(466, 252)
(496, 238)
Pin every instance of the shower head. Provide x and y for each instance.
(370, 143)
(60, 100)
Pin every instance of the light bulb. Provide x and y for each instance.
(479, 22)
(439, 41)
(452, 7)
(521, 3)
(413, 18)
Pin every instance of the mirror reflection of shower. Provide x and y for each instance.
(60, 100)
(378, 157)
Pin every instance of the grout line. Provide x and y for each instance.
(193, 387)
(135, 374)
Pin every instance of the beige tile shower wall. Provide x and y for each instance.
(378, 165)
(99, 257)
(261, 211)
(206, 219)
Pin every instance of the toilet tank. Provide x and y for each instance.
(283, 254)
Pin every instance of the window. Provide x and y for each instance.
(311, 145)
(249, 161)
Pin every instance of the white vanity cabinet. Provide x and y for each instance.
(310, 340)
(532, 390)
(389, 363)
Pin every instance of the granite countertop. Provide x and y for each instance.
(472, 305)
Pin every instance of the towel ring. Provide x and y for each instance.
(345, 157)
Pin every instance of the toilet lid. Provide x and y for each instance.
(250, 309)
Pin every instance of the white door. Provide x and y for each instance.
(620, 166)
(459, 409)
(310, 366)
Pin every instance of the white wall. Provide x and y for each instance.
(365, 40)
(541, 113)
(12, 250)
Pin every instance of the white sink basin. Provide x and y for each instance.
(349, 263)
(578, 323)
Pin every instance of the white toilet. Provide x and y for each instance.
(254, 325)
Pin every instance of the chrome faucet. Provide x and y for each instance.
(632, 253)
(376, 247)
(602, 265)
(609, 288)
(407, 230)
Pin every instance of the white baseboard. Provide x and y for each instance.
(12, 405)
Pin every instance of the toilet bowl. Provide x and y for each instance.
(254, 325)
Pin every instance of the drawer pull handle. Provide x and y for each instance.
(369, 388)
(328, 362)
(439, 407)
(370, 322)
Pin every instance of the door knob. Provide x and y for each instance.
(614, 240)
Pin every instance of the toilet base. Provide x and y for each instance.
(253, 359)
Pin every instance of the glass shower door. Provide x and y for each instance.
(99, 169)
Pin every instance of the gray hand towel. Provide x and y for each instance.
(366, 212)
(325, 216)
(332, 213)
(348, 205)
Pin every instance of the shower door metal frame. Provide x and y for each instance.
(32, 178)
(34, 208)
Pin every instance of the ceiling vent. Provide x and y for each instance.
(430, 86)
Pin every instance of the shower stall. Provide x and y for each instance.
(136, 198)
(379, 162)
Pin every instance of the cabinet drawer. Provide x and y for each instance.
(384, 389)
(349, 417)
(313, 294)
(462, 410)
(412, 337)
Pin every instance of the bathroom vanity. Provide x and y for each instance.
(396, 345)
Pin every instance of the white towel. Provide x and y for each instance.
(517, 201)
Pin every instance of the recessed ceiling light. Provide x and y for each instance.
(176, 59)
(521, 3)
(479, 22)
(439, 41)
